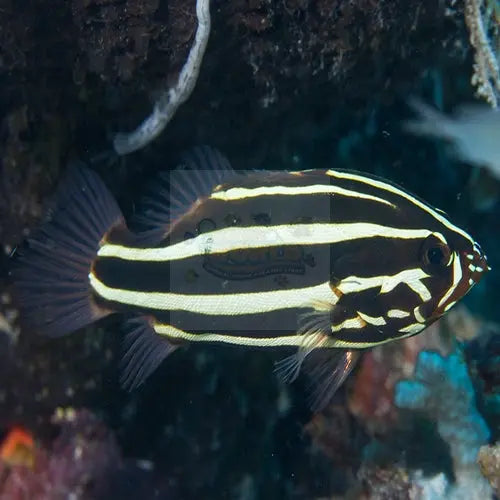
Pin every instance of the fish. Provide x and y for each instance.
(473, 131)
(320, 263)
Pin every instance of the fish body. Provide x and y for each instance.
(324, 262)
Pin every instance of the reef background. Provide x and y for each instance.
(284, 84)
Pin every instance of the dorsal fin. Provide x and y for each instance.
(175, 192)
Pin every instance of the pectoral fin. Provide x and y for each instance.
(326, 366)
(327, 370)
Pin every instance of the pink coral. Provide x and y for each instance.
(76, 463)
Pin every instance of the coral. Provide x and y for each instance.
(18, 448)
(114, 40)
(77, 463)
(332, 431)
(434, 487)
(288, 84)
(378, 483)
(483, 357)
(171, 99)
(443, 389)
(489, 462)
(486, 76)
(289, 44)
(83, 461)
(371, 398)
(37, 378)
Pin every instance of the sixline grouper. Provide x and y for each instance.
(326, 263)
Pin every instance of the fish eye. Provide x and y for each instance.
(435, 254)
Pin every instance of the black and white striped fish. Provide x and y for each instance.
(324, 262)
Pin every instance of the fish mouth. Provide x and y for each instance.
(477, 264)
(474, 266)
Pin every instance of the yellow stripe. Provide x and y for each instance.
(410, 277)
(285, 340)
(397, 313)
(356, 322)
(393, 189)
(449, 306)
(235, 194)
(280, 341)
(418, 315)
(218, 305)
(457, 276)
(232, 238)
(413, 328)
(372, 320)
(343, 344)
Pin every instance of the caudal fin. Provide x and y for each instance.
(429, 121)
(50, 271)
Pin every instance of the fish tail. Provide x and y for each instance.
(430, 121)
(50, 270)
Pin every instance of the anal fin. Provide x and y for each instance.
(145, 350)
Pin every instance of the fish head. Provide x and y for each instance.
(395, 288)
(454, 263)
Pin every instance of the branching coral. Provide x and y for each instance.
(486, 76)
(169, 101)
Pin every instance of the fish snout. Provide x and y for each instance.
(478, 264)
